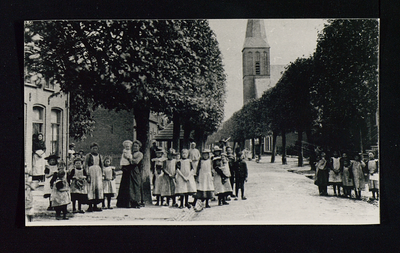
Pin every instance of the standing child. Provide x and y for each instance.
(372, 168)
(222, 185)
(158, 175)
(231, 160)
(29, 187)
(335, 176)
(78, 184)
(60, 195)
(240, 175)
(49, 171)
(205, 185)
(168, 187)
(185, 184)
(109, 187)
(357, 168)
(347, 176)
(94, 170)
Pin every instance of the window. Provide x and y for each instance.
(266, 61)
(38, 119)
(55, 131)
(250, 63)
(257, 63)
(50, 84)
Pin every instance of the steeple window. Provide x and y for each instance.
(250, 63)
(257, 63)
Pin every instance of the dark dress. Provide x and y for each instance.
(129, 194)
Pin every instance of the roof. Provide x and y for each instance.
(255, 34)
(167, 133)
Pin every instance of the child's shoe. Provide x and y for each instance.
(244, 198)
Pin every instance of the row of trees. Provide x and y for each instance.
(331, 96)
(172, 67)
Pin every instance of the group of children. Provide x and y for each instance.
(178, 176)
(77, 183)
(341, 172)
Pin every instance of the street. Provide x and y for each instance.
(275, 195)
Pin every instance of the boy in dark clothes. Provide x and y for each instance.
(240, 168)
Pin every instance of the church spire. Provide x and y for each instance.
(255, 34)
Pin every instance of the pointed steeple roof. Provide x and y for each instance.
(255, 34)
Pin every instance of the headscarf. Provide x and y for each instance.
(38, 144)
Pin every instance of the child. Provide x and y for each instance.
(94, 170)
(240, 175)
(49, 171)
(29, 187)
(205, 185)
(231, 160)
(347, 179)
(78, 184)
(71, 157)
(158, 175)
(335, 177)
(372, 168)
(358, 175)
(169, 169)
(221, 180)
(60, 195)
(185, 184)
(109, 187)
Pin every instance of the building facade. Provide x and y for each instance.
(45, 111)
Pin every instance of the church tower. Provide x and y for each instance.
(256, 61)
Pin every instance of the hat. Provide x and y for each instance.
(137, 142)
(160, 150)
(94, 144)
(53, 156)
(172, 151)
(78, 159)
(127, 142)
(72, 144)
(217, 148)
(206, 151)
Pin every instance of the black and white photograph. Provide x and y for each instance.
(201, 122)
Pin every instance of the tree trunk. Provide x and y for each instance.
(300, 148)
(142, 117)
(186, 135)
(198, 138)
(284, 160)
(176, 131)
(311, 151)
(274, 137)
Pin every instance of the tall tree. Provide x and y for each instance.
(147, 65)
(346, 61)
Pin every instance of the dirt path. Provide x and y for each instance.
(274, 196)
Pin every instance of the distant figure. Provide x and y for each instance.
(372, 168)
(29, 187)
(241, 173)
(359, 181)
(159, 173)
(347, 176)
(153, 154)
(321, 175)
(38, 163)
(335, 175)
(194, 154)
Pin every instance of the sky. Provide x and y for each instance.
(288, 39)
